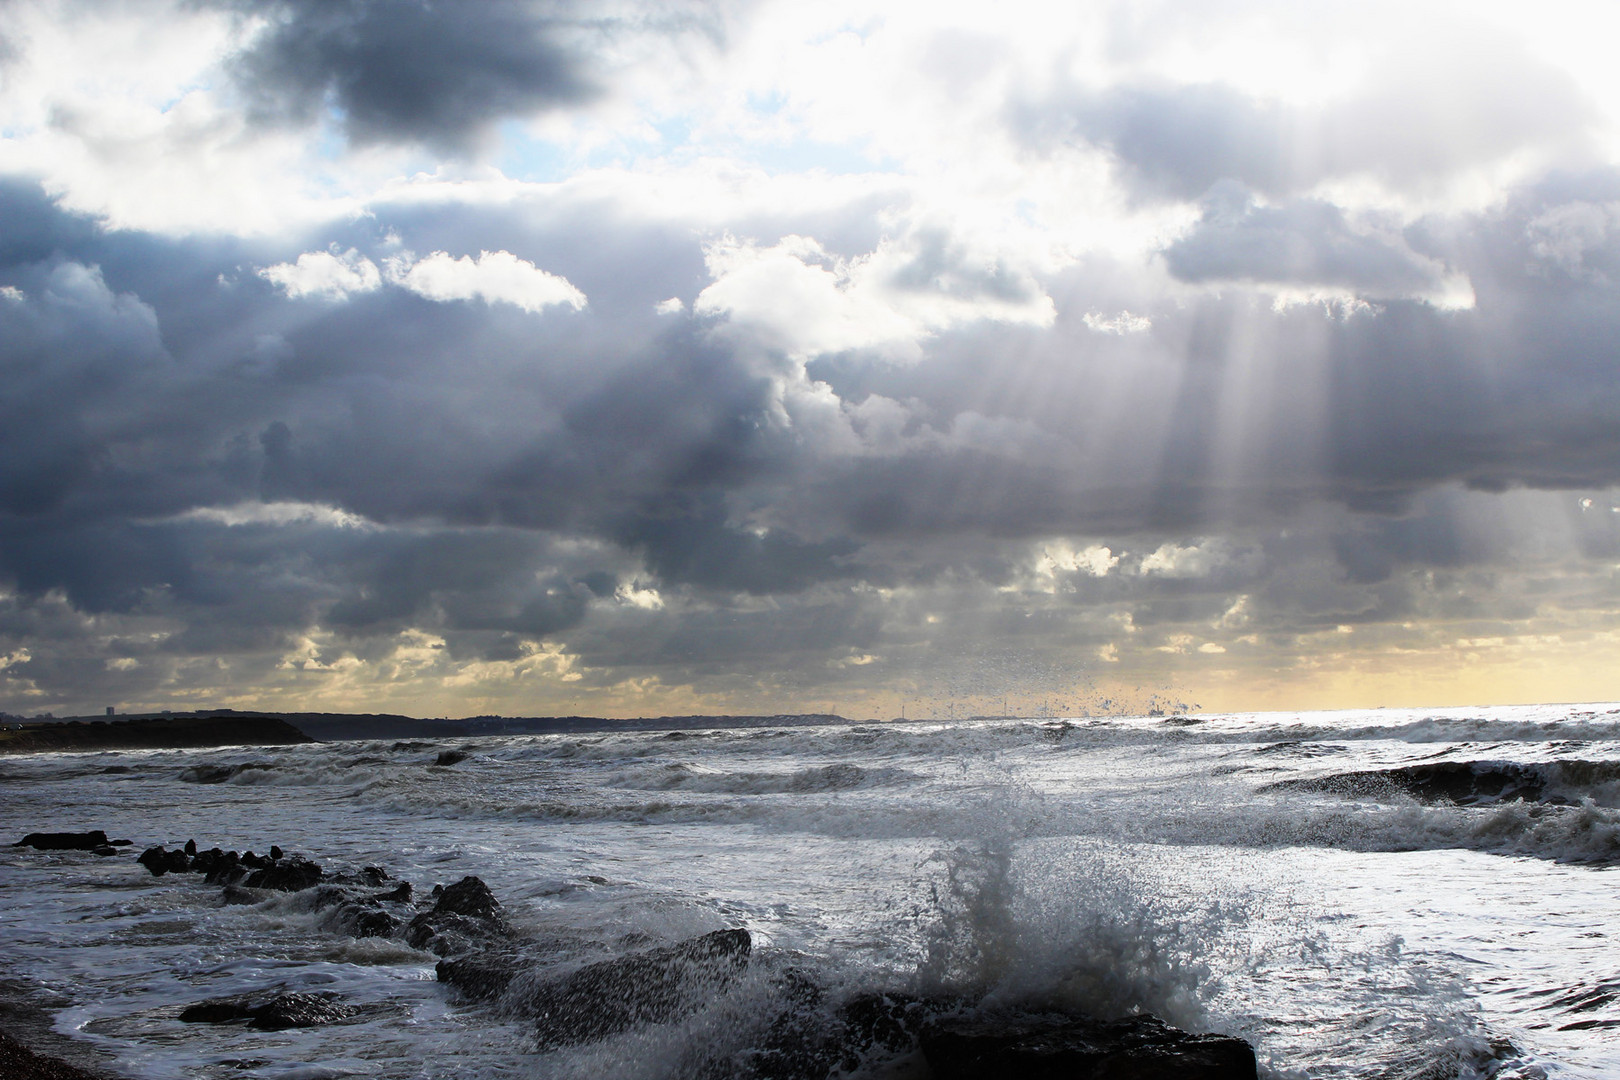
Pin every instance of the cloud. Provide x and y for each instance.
(797, 298)
(440, 73)
(1311, 245)
(1448, 100)
(327, 275)
(493, 277)
(987, 395)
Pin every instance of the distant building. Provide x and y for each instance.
(109, 710)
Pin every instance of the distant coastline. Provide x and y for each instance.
(227, 727)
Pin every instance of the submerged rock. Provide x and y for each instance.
(1051, 1046)
(653, 987)
(64, 841)
(275, 1014)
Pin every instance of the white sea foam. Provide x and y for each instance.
(1097, 863)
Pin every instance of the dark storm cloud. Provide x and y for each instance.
(518, 469)
(1304, 242)
(440, 72)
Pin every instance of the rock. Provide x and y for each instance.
(465, 918)
(191, 847)
(482, 976)
(652, 987)
(104, 850)
(205, 861)
(399, 894)
(451, 757)
(276, 853)
(470, 897)
(275, 1014)
(159, 860)
(64, 841)
(224, 868)
(285, 875)
(1051, 1046)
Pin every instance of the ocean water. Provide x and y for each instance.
(1391, 893)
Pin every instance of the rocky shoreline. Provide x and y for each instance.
(803, 1029)
(158, 733)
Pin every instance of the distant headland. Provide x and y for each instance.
(228, 727)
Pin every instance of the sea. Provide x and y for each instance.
(1399, 894)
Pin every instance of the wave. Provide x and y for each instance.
(680, 776)
(1476, 783)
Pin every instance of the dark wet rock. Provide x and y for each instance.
(273, 1014)
(652, 987)
(191, 847)
(256, 862)
(465, 918)
(218, 774)
(810, 1040)
(354, 913)
(373, 875)
(1042, 1046)
(104, 850)
(470, 897)
(451, 757)
(276, 853)
(204, 861)
(224, 868)
(399, 894)
(481, 976)
(284, 875)
(64, 841)
(159, 860)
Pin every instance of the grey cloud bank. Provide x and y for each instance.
(865, 460)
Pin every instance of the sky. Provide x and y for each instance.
(932, 359)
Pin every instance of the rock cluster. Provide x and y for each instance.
(803, 1030)
(274, 872)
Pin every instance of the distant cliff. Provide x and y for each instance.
(157, 733)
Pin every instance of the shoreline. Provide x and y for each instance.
(32, 1049)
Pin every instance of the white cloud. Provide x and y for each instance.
(673, 306)
(1202, 559)
(326, 275)
(493, 277)
(634, 594)
(276, 513)
(797, 298)
(1122, 323)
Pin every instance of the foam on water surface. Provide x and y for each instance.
(1206, 870)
